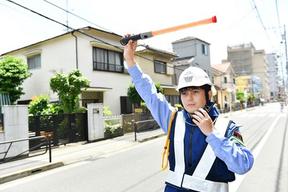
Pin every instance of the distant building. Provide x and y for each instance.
(191, 51)
(241, 58)
(225, 85)
(273, 76)
(247, 61)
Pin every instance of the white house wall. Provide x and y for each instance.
(55, 57)
(59, 55)
(118, 82)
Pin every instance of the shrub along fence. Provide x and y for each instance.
(66, 128)
(113, 126)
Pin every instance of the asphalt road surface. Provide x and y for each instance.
(138, 169)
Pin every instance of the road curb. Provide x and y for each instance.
(152, 137)
(28, 172)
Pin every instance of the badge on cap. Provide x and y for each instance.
(188, 76)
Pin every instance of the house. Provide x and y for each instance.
(191, 51)
(99, 56)
(161, 70)
(225, 83)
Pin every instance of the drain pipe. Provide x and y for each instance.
(76, 48)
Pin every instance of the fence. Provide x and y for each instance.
(144, 122)
(43, 140)
(66, 128)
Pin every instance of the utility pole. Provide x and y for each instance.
(67, 17)
(284, 39)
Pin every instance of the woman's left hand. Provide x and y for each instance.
(202, 119)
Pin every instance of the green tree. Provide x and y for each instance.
(240, 96)
(135, 97)
(13, 72)
(68, 87)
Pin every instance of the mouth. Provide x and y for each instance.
(191, 105)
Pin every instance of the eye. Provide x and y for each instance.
(196, 91)
(183, 92)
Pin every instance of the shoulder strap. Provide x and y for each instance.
(165, 153)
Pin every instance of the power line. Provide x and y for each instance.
(88, 35)
(78, 30)
(277, 12)
(260, 19)
(78, 16)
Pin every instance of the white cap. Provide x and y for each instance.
(193, 76)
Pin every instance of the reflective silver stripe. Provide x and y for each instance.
(202, 185)
(174, 178)
(179, 133)
(195, 183)
(208, 156)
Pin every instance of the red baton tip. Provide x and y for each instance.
(214, 19)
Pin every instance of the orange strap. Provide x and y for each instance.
(165, 153)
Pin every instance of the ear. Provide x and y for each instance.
(210, 95)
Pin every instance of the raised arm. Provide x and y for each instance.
(156, 102)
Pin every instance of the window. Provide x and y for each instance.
(160, 67)
(225, 79)
(107, 60)
(204, 49)
(34, 62)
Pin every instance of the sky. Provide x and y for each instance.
(239, 21)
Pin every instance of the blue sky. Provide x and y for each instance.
(238, 21)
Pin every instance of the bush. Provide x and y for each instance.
(38, 105)
(113, 131)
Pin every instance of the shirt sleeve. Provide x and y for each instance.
(237, 157)
(155, 102)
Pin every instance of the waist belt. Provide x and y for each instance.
(196, 183)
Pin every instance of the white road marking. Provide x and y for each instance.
(233, 187)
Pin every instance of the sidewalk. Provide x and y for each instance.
(72, 153)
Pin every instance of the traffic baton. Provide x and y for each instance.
(146, 35)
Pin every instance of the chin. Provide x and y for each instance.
(189, 110)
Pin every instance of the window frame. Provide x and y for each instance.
(161, 63)
(35, 66)
(107, 64)
(204, 49)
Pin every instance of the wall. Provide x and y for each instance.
(15, 127)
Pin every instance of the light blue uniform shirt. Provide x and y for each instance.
(237, 158)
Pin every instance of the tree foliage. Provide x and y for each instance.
(68, 87)
(40, 106)
(133, 95)
(13, 72)
(240, 96)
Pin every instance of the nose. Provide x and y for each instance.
(190, 95)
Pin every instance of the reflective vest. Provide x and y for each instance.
(203, 171)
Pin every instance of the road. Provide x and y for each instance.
(138, 169)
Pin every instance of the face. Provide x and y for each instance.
(192, 98)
